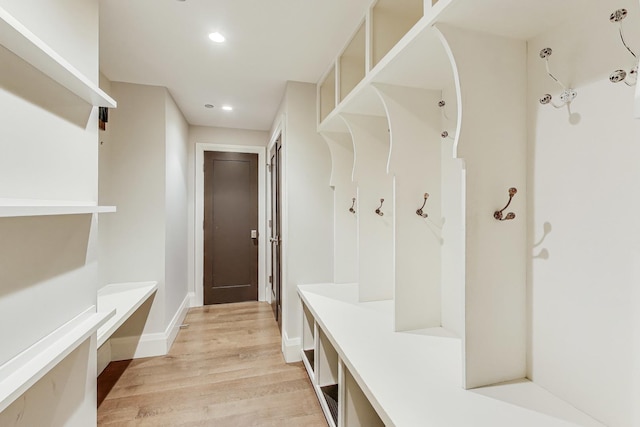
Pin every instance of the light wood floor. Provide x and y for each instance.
(225, 369)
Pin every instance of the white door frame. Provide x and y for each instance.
(199, 215)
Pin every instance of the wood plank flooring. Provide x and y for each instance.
(225, 369)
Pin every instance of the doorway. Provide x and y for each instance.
(230, 227)
(275, 223)
(197, 254)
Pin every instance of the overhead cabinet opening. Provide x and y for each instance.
(328, 94)
(391, 20)
(353, 62)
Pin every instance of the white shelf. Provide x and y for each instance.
(124, 299)
(33, 207)
(24, 370)
(415, 378)
(19, 40)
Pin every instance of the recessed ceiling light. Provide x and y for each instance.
(208, 105)
(217, 37)
(227, 107)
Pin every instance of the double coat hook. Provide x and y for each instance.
(419, 212)
(378, 211)
(630, 78)
(352, 209)
(568, 94)
(498, 214)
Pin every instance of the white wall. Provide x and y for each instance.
(134, 238)
(48, 150)
(308, 201)
(144, 173)
(176, 207)
(582, 176)
(210, 135)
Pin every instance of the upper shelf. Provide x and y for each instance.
(22, 42)
(24, 370)
(32, 207)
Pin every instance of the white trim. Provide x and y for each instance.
(291, 348)
(199, 215)
(149, 345)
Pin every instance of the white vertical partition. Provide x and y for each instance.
(375, 233)
(491, 138)
(415, 126)
(345, 248)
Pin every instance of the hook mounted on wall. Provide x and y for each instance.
(445, 135)
(498, 214)
(420, 212)
(630, 78)
(568, 94)
(442, 104)
(352, 209)
(378, 211)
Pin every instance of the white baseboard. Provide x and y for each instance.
(104, 357)
(149, 345)
(193, 302)
(291, 348)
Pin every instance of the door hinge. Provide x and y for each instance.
(270, 223)
(270, 279)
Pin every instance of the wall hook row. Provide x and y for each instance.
(498, 214)
(568, 94)
(379, 211)
(420, 212)
(352, 209)
(630, 78)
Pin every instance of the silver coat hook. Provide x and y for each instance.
(498, 214)
(568, 94)
(420, 212)
(352, 209)
(630, 78)
(378, 211)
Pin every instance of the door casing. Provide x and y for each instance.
(196, 289)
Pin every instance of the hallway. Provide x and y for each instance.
(225, 369)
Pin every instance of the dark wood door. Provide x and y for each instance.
(230, 227)
(275, 223)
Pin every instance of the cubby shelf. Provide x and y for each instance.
(22, 42)
(123, 299)
(32, 207)
(415, 378)
(23, 371)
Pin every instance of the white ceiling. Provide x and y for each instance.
(165, 43)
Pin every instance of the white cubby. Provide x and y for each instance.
(353, 62)
(390, 21)
(357, 411)
(327, 94)
(308, 342)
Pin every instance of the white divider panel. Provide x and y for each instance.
(491, 138)
(453, 194)
(345, 249)
(415, 126)
(375, 233)
(327, 361)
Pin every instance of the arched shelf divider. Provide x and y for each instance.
(415, 125)
(345, 259)
(370, 136)
(491, 138)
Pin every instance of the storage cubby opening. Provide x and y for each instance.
(353, 62)
(357, 408)
(330, 394)
(391, 20)
(328, 94)
(308, 329)
(310, 354)
(327, 370)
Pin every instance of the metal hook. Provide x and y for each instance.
(352, 208)
(568, 94)
(445, 135)
(619, 75)
(378, 211)
(419, 212)
(442, 104)
(498, 214)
